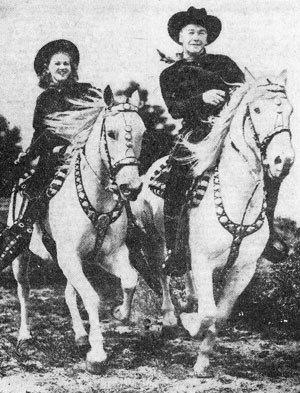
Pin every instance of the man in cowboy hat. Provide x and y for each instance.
(195, 89)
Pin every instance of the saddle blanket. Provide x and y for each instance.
(194, 194)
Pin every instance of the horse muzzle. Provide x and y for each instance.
(130, 193)
(280, 156)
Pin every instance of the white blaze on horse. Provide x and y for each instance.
(88, 214)
(252, 135)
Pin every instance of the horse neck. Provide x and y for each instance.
(95, 175)
(240, 170)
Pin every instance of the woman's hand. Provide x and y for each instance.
(21, 158)
(213, 97)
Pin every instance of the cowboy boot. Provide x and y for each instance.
(174, 218)
(276, 249)
(14, 240)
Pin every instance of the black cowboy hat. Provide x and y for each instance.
(47, 51)
(194, 16)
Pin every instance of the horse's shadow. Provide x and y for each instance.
(251, 358)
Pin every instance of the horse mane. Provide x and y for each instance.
(76, 125)
(204, 155)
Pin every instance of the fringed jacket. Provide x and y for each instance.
(54, 99)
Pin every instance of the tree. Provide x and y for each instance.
(158, 138)
(9, 150)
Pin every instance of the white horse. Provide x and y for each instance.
(87, 214)
(252, 135)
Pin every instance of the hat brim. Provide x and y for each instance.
(179, 20)
(44, 55)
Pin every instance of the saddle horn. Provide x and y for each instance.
(135, 99)
(283, 76)
(108, 96)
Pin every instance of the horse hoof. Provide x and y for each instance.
(205, 373)
(202, 368)
(119, 315)
(191, 323)
(188, 306)
(83, 345)
(24, 344)
(96, 368)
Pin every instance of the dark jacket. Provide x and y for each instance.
(54, 99)
(183, 83)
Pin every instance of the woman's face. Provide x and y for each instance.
(60, 67)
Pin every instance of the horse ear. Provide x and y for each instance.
(135, 99)
(108, 96)
(249, 76)
(283, 76)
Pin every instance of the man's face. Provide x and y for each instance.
(193, 39)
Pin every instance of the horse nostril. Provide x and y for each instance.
(278, 160)
(131, 192)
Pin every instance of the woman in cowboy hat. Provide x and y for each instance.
(56, 66)
(195, 89)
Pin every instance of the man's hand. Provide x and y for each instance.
(213, 97)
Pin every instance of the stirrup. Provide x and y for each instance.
(276, 249)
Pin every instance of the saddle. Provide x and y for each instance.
(194, 194)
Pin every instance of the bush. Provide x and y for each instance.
(272, 299)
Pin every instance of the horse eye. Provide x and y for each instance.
(257, 110)
(111, 134)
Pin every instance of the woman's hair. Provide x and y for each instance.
(45, 77)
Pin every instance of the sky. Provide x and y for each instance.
(118, 39)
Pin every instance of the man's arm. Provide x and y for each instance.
(178, 106)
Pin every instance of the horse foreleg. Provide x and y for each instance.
(81, 336)
(70, 264)
(20, 270)
(206, 315)
(155, 249)
(191, 302)
(204, 320)
(119, 265)
(168, 309)
(236, 282)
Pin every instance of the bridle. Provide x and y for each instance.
(130, 159)
(263, 145)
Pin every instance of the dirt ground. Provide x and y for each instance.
(139, 360)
